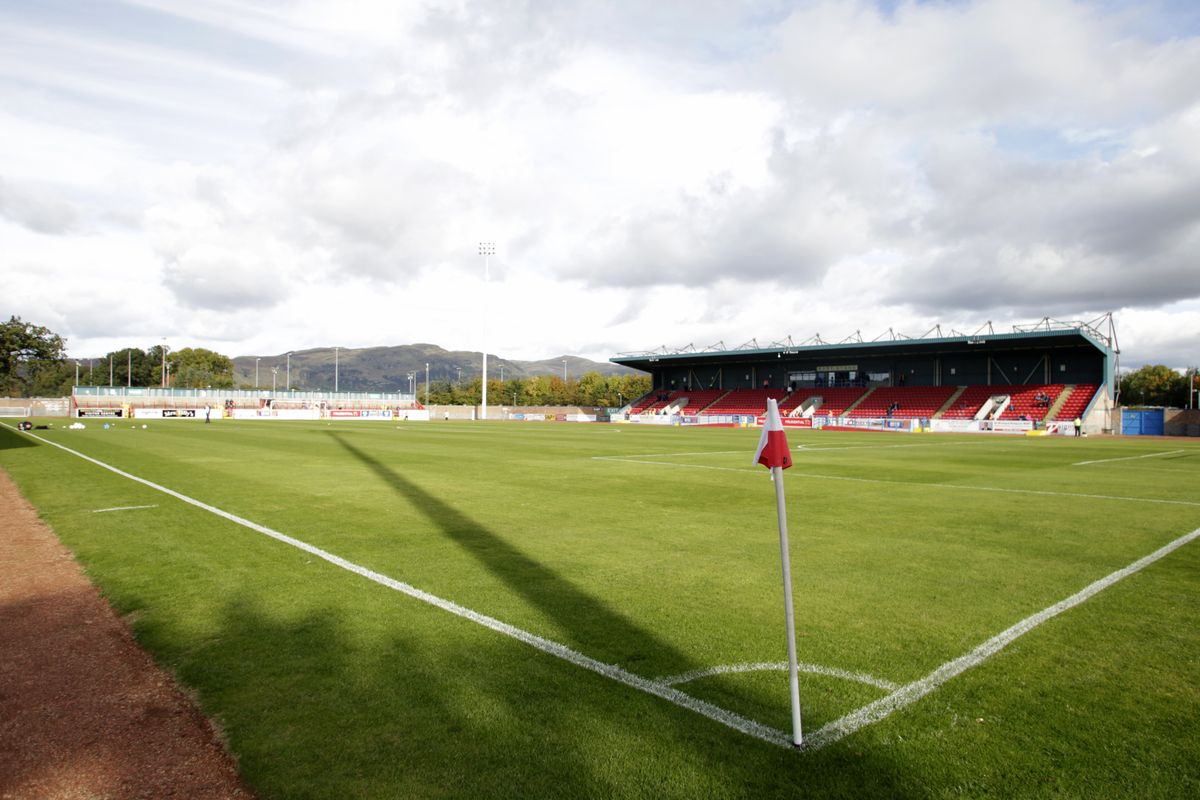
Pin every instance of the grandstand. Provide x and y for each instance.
(828, 402)
(1050, 371)
(900, 401)
(745, 401)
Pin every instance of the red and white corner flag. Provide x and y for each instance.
(773, 447)
(773, 452)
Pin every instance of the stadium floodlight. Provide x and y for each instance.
(256, 383)
(76, 373)
(274, 372)
(564, 372)
(426, 383)
(487, 250)
(335, 370)
(289, 372)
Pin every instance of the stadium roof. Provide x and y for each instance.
(1045, 333)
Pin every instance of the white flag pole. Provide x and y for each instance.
(793, 668)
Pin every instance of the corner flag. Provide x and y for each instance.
(773, 452)
(773, 447)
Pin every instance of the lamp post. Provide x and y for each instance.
(412, 389)
(164, 362)
(459, 381)
(274, 372)
(502, 373)
(564, 372)
(426, 383)
(335, 369)
(256, 383)
(110, 372)
(487, 250)
(289, 372)
(77, 373)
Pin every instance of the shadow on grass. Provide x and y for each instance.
(11, 439)
(584, 617)
(319, 705)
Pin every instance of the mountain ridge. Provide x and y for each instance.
(386, 368)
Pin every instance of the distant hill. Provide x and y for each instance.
(386, 369)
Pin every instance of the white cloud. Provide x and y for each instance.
(262, 177)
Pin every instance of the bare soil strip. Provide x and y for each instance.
(84, 711)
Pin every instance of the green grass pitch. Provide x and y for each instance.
(654, 550)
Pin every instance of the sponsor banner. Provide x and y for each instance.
(660, 419)
(276, 413)
(1005, 425)
(724, 420)
(98, 412)
(168, 413)
(788, 422)
(954, 425)
(361, 413)
(872, 424)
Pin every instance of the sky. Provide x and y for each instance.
(260, 177)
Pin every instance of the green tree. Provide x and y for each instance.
(592, 390)
(198, 368)
(537, 391)
(134, 367)
(54, 379)
(1154, 385)
(25, 351)
(632, 387)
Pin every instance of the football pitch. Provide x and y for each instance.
(448, 609)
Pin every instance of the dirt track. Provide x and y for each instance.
(84, 712)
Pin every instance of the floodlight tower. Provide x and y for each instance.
(487, 250)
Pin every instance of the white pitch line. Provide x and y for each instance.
(910, 693)
(779, 666)
(120, 508)
(715, 713)
(1127, 458)
(880, 481)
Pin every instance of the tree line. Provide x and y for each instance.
(1158, 385)
(589, 389)
(33, 363)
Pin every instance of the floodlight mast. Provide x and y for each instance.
(487, 250)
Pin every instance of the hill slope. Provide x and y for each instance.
(386, 369)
